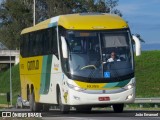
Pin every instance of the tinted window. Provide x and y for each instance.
(42, 42)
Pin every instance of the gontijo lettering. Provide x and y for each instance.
(33, 65)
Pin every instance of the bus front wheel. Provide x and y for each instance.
(118, 108)
(63, 108)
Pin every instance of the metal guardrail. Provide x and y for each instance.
(137, 100)
(2, 94)
(147, 100)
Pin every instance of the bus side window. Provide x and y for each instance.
(50, 41)
(42, 42)
(25, 46)
(45, 42)
(31, 44)
(40, 46)
(22, 42)
(54, 38)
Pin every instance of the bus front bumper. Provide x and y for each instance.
(82, 98)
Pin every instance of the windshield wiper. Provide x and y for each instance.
(97, 64)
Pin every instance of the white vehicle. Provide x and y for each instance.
(21, 103)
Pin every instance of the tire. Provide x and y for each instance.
(34, 106)
(63, 108)
(118, 108)
(86, 109)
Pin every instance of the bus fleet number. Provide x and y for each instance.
(92, 86)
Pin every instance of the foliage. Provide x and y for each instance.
(147, 74)
(80, 6)
(17, 14)
(5, 83)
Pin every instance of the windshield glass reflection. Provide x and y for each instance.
(99, 54)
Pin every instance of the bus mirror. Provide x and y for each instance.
(137, 45)
(64, 47)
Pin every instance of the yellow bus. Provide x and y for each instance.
(82, 60)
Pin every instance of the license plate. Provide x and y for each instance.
(104, 98)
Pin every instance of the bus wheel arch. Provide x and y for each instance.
(57, 92)
(34, 106)
(63, 108)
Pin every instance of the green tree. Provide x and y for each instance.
(79, 6)
(15, 16)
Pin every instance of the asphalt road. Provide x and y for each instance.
(93, 115)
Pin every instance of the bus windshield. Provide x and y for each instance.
(100, 54)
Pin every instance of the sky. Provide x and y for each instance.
(143, 17)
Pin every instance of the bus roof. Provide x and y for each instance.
(81, 22)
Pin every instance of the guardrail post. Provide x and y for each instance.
(156, 106)
(127, 106)
(141, 106)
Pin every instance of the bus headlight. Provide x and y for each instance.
(129, 97)
(127, 87)
(75, 87)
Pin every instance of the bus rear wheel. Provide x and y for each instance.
(34, 106)
(118, 108)
(63, 108)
